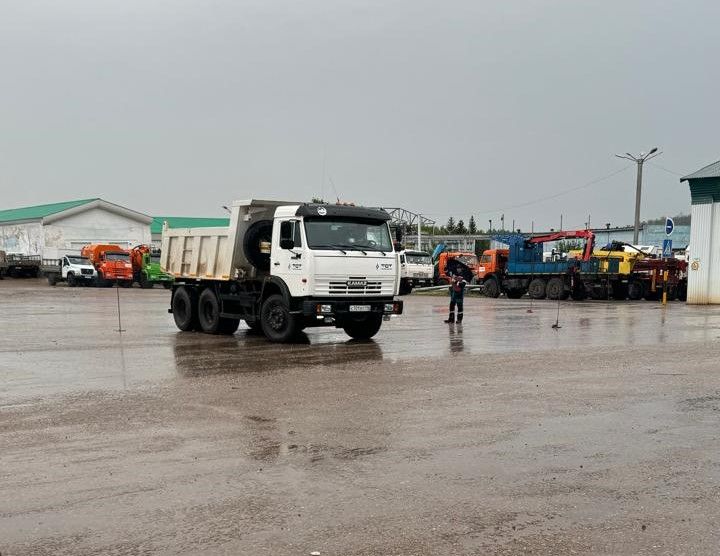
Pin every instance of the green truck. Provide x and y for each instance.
(146, 267)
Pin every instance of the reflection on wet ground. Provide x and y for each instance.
(61, 339)
(498, 436)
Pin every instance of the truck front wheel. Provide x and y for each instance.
(71, 280)
(363, 328)
(491, 287)
(184, 309)
(278, 324)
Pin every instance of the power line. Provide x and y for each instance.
(550, 197)
(666, 169)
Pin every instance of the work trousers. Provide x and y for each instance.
(456, 302)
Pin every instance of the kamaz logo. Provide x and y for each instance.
(357, 283)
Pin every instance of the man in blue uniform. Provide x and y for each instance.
(457, 295)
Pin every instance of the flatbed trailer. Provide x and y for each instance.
(20, 266)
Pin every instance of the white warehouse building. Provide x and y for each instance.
(56, 229)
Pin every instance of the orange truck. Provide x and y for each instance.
(112, 263)
(456, 262)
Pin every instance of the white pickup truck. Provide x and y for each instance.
(282, 267)
(73, 269)
(416, 269)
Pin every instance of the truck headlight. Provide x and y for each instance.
(389, 308)
(324, 308)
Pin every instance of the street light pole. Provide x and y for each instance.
(639, 160)
(638, 197)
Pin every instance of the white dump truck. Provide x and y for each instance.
(416, 269)
(282, 267)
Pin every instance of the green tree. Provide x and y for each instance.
(472, 227)
(318, 201)
(460, 228)
(450, 226)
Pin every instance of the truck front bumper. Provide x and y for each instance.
(340, 307)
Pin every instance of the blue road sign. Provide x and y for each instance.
(669, 226)
(667, 248)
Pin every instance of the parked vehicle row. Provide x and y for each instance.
(619, 270)
(101, 265)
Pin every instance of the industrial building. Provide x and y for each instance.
(704, 249)
(54, 229)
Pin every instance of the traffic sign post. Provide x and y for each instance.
(667, 248)
(669, 226)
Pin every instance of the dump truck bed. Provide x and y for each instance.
(215, 253)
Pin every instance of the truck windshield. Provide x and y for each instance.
(347, 233)
(78, 260)
(155, 259)
(418, 258)
(469, 260)
(117, 256)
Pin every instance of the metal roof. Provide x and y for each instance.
(40, 211)
(186, 222)
(709, 171)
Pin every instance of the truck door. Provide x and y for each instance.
(287, 260)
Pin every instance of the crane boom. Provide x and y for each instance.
(587, 235)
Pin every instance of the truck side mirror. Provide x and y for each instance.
(286, 235)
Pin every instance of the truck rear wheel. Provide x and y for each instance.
(636, 290)
(363, 328)
(184, 309)
(491, 287)
(514, 293)
(52, 279)
(208, 312)
(536, 289)
(555, 288)
(278, 324)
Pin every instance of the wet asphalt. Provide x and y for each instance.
(501, 436)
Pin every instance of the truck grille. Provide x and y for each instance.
(85, 271)
(354, 286)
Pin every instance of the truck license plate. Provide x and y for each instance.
(359, 308)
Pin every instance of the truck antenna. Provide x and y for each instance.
(337, 195)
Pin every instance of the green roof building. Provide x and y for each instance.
(704, 263)
(55, 229)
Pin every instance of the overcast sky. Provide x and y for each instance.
(177, 107)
